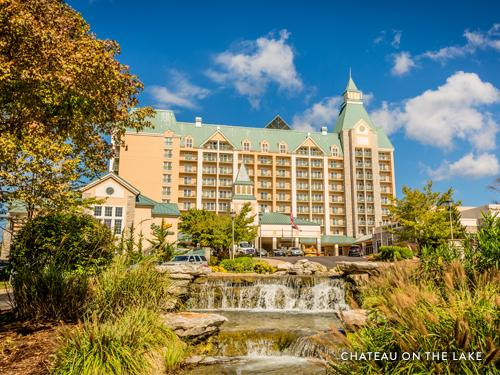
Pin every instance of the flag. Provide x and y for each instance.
(292, 222)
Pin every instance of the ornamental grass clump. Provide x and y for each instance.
(136, 343)
(122, 287)
(411, 312)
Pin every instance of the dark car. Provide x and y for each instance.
(355, 252)
(279, 253)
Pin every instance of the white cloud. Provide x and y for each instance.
(256, 64)
(402, 64)
(388, 117)
(396, 39)
(322, 113)
(475, 40)
(483, 165)
(453, 111)
(180, 93)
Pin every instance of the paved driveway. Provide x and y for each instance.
(327, 261)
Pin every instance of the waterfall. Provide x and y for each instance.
(286, 294)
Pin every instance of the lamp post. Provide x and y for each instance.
(233, 215)
(449, 202)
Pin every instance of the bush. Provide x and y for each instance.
(482, 250)
(49, 293)
(135, 343)
(241, 264)
(412, 312)
(393, 253)
(70, 241)
(121, 287)
(218, 269)
(263, 267)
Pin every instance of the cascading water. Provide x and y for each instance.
(291, 294)
(276, 325)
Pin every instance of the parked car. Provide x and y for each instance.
(187, 259)
(279, 253)
(261, 252)
(244, 248)
(355, 251)
(295, 252)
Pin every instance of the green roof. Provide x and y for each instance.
(165, 120)
(242, 178)
(276, 218)
(336, 240)
(351, 86)
(308, 240)
(159, 209)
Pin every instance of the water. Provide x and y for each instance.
(276, 326)
(291, 294)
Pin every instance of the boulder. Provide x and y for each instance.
(358, 279)
(354, 318)
(181, 276)
(194, 326)
(284, 266)
(194, 270)
(349, 268)
(306, 267)
(179, 287)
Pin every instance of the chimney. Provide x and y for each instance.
(324, 130)
(197, 121)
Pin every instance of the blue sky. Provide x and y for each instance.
(430, 72)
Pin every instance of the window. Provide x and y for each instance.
(118, 226)
(246, 145)
(114, 222)
(168, 154)
(108, 211)
(187, 205)
(282, 148)
(264, 146)
(187, 192)
(189, 142)
(167, 165)
(335, 151)
(168, 141)
(167, 178)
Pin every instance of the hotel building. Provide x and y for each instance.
(340, 178)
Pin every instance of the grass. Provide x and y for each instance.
(412, 312)
(4, 285)
(136, 343)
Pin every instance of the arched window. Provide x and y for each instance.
(189, 142)
(282, 148)
(246, 145)
(335, 151)
(264, 147)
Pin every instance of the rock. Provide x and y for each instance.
(354, 318)
(184, 269)
(306, 267)
(358, 279)
(348, 268)
(179, 287)
(280, 273)
(181, 276)
(284, 266)
(194, 326)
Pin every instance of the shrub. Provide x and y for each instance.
(263, 267)
(68, 240)
(49, 293)
(241, 264)
(413, 313)
(121, 287)
(392, 253)
(482, 250)
(218, 269)
(135, 343)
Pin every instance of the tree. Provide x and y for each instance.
(161, 246)
(63, 96)
(215, 231)
(424, 216)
